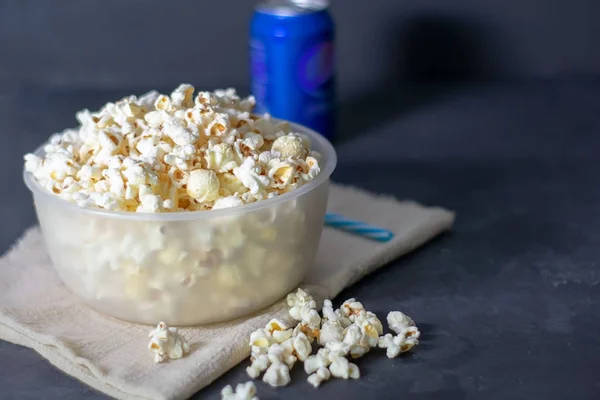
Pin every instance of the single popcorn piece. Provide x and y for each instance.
(302, 346)
(220, 158)
(278, 374)
(395, 345)
(338, 349)
(351, 308)
(330, 331)
(250, 176)
(354, 338)
(369, 322)
(243, 391)
(260, 338)
(258, 366)
(317, 361)
(278, 331)
(167, 343)
(398, 321)
(301, 303)
(203, 185)
(319, 377)
(335, 315)
(227, 202)
(341, 368)
(290, 146)
(312, 333)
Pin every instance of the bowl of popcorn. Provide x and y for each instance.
(185, 208)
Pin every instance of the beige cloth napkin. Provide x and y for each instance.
(112, 356)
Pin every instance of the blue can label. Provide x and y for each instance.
(316, 69)
(260, 75)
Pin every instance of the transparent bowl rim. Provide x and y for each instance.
(328, 159)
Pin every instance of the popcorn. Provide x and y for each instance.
(220, 158)
(319, 377)
(230, 184)
(156, 139)
(249, 175)
(179, 133)
(203, 185)
(289, 146)
(355, 339)
(341, 368)
(398, 344)
(398, 321)
(163, 103)
(167, 343)
(150, 203)
(330, 331)
(281, 173)
(243, 391)
(227, 202)
(299, 300)
(302, 347)
(311, 333)
(253, 141)
(278, 374)
(369, 322)
(340, 336)
(278, 331)
(318, 361)
(338, 349)
(260, 338)
(218, 127)
(183, 96)
(351, 308)
(258, 366)
(313, 169)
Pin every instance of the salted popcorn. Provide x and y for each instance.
(331, 331)
(302, 346)
(302, 306)
(315, 362)
(243, 391)
(398, 321)
(341, 368)
(203, 185)
(258, 366)
(167, 343)
(278, 374)
(351, 308)
(322, 374)
(350, 331)
(290, 146)
(400, 343)
(188, 152)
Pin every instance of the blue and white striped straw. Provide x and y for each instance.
(358, 228)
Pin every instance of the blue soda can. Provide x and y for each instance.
(292, 62)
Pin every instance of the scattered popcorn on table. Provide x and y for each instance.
(350, 331)
(243, 391)
(167, 343)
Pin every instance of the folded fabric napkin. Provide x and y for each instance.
(37, 311)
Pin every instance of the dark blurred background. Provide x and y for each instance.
(140, 44)
(385, 48)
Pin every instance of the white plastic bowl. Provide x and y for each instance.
(187, 268)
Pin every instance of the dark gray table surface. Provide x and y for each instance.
(507, 303)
